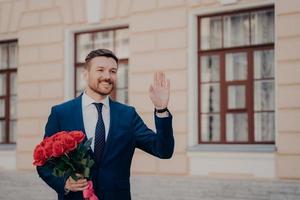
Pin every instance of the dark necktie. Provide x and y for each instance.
(99, 134)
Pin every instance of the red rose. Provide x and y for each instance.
(48, 143)
(69, 142)
(58, 135)
(77, 135)
(57, 148)
(39, 156)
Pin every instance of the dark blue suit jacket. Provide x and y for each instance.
(127, 131)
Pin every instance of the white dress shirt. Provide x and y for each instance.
(90, 116)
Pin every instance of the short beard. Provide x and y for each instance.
(101, 93)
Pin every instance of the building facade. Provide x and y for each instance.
(233, 66)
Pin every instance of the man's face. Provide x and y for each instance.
(101, 75)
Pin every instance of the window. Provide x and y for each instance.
(236, 77)
(8, 91)
(116, 40)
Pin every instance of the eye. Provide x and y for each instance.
(113, 71)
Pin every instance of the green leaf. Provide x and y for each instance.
(90, 163)
(84, 161)
(67, 161)
(86, 172)
(69, 172)
(57, 172)
(88, 143)
(61, 166)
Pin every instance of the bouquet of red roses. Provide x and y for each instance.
(67, 152)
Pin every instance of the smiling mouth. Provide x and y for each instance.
(106, 84)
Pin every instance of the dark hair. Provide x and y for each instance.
(100, 52)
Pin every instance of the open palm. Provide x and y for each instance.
(159, 91)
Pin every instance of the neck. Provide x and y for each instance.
(94, 95)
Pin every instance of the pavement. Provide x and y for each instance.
(16, 185)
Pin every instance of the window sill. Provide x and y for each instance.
(8, 147)
(248, 148)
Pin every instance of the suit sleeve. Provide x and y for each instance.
(45, 172)
(159, 144)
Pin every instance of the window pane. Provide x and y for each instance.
(236, 30)
(80, 82)
(3, 56)
(236, 96)
(2, 108)
(210, 128)
(236, 66)
(264, 95)
(210, 68)
(264, 126)
(2, 132)
(2, 84)
(210, 98)
(13, 55)
(104, 40)
(13, 131)
(84, 45)
(264, 64)
(122, 43)
(13, 83)
(122, 95)
(13, 107)
(237, 127)
(122, 76)
(211, 33)
(262, 27)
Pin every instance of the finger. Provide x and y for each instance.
(78, 185)
(156, 82)
(168, 84)
(79, 176)
(163, 82)
(84, 181)
(80, 181)
(76, 189)
(160, 78)
(72, 181)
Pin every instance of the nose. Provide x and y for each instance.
(106, 75)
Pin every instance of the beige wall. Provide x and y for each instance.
(40, 27)
(158, 40)
(288, 87)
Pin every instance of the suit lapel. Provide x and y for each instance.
(78, 119)
(77, 114)
(113, 124)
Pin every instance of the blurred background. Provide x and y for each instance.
(234, 67)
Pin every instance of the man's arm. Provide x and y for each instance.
(45, 172)
(159, 144)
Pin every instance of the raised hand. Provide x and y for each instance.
(159, 91)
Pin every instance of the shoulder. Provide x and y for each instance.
(67, 105)
(122, 108)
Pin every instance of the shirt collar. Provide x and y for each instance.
(87, 100)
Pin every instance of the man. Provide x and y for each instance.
(116, 130)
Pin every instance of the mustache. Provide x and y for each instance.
(106, 81)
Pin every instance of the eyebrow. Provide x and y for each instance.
(105, 67)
